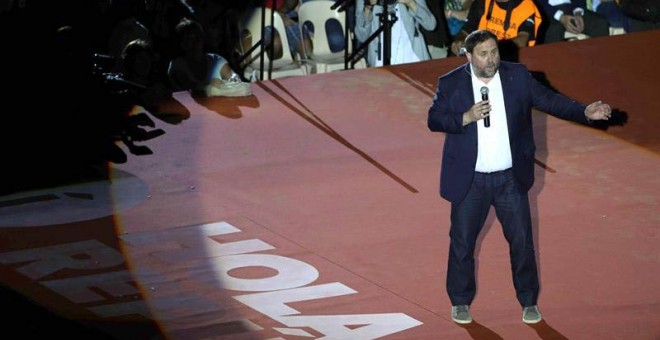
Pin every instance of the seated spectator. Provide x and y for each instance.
(123, 33)
(407, 45)
(140, 81)
(456, 12)
(137, 83)
(160, 17)
(126, 27)
(610, 10)
(139, 76)
(515, 21)
(300, 44)
(644, 14)
(200, 72)
(571, 16)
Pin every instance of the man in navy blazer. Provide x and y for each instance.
(493, 164)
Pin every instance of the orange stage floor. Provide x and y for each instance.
(311, 210)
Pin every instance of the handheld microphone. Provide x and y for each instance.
(484, 96)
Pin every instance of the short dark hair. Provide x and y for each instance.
(134, 47)
(188, 25)
(476, 37)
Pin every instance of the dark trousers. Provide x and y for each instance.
(498, 189)
(594, 26)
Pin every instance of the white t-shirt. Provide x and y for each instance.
(494, 151)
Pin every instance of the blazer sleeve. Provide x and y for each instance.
(556, 104)
(442, 115)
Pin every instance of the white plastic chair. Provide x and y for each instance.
(277, 68)
(319, 13)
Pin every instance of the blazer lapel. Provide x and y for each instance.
(466, 85)
(509, 93)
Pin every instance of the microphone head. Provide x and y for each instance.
(484, 90)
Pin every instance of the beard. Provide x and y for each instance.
(487, 71)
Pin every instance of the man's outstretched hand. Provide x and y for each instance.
(598, 111)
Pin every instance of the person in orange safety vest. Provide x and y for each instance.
(517, 21)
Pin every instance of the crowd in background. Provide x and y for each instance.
(435, 28)
(81, 65)
(105, 27)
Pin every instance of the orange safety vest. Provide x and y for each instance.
(495, 18)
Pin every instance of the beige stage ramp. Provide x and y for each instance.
(310, 210)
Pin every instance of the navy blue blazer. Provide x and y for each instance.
(521, 93)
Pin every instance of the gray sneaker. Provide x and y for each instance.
(461, 314)
(232, 87)
(531, 314)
